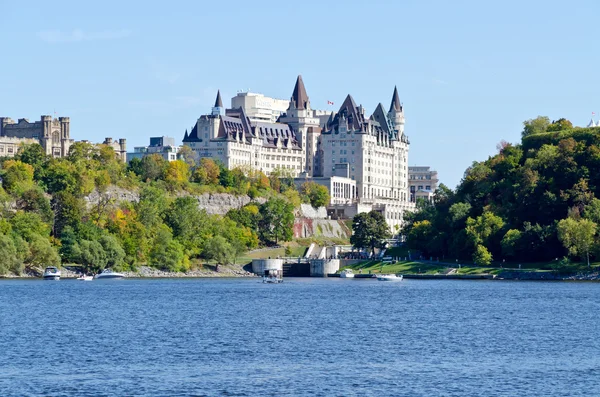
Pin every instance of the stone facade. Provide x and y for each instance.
(422, 182)
(237, 141)
(119, 146)
(52, 134)
(362, 160)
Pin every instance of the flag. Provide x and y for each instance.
(329, 103)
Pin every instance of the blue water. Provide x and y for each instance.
(317, 337)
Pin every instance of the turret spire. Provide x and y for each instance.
(396, 105)
(299, 97)
(218, 101)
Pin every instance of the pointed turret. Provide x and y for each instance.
(186, 136)
(218, 101)
(299, 97)
(218, 109)
(395, 105)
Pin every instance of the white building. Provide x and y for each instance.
(237, 141)
(162, 145)
(362, 160)
(592, 123)
(422, 182)
(258, 107)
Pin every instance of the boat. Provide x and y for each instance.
(51, 273)
(85, 278)
(347, 273)
(108, 274)
(389, 277)
(273, 276)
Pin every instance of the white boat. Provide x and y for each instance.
(108, 274)
(85, 278)
(389, 277)
(51, 273)
(347, 273)
(273, 276)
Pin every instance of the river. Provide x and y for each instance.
(307, 336)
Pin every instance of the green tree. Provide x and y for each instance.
(560, 124)
(42, 253)
(166, 253)
(9, 261)
(277, 221)
(535, 126)
(28, 225)
(510, 243)
(482, 256)
(369, 230)
(34, 200)
(219, 250)
(153, 167)
(92, 256)
(317, 195)
(577, 236)
(113, 251)
(16, 174)
(188, 223)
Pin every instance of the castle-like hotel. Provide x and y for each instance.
(363, 160)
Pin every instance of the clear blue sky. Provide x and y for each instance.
(468, 72)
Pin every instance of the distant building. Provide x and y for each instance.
(119, 146)
(422, 182)
(592, 123)
(259, 108)
(52, 134)
(162, 145)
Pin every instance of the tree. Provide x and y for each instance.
(16, 173)
(187, 155)
(535, 126)
(277, 221)
(177, 175)
(166, 253)
(369, 230)
(42, 253)
(92, 256)
(10, 261)
(34, 155)
(113, 251)
(188, 223)
(483, 227)
(510, 243)
(34, 200)
(560, 124)
(207, 173)
(318, 195)
(577, 236)
(153, 167)
(28, 225)
(219, 250)
(482, 256)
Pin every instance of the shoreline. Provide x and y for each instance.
(67, 273)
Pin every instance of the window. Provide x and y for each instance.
(428, 187)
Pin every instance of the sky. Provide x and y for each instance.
(468, 72)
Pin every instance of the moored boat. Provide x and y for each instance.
(347, 273)
(51, 273)
(85, 278)
(389, 277)
(273, 276)
(108, 274)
